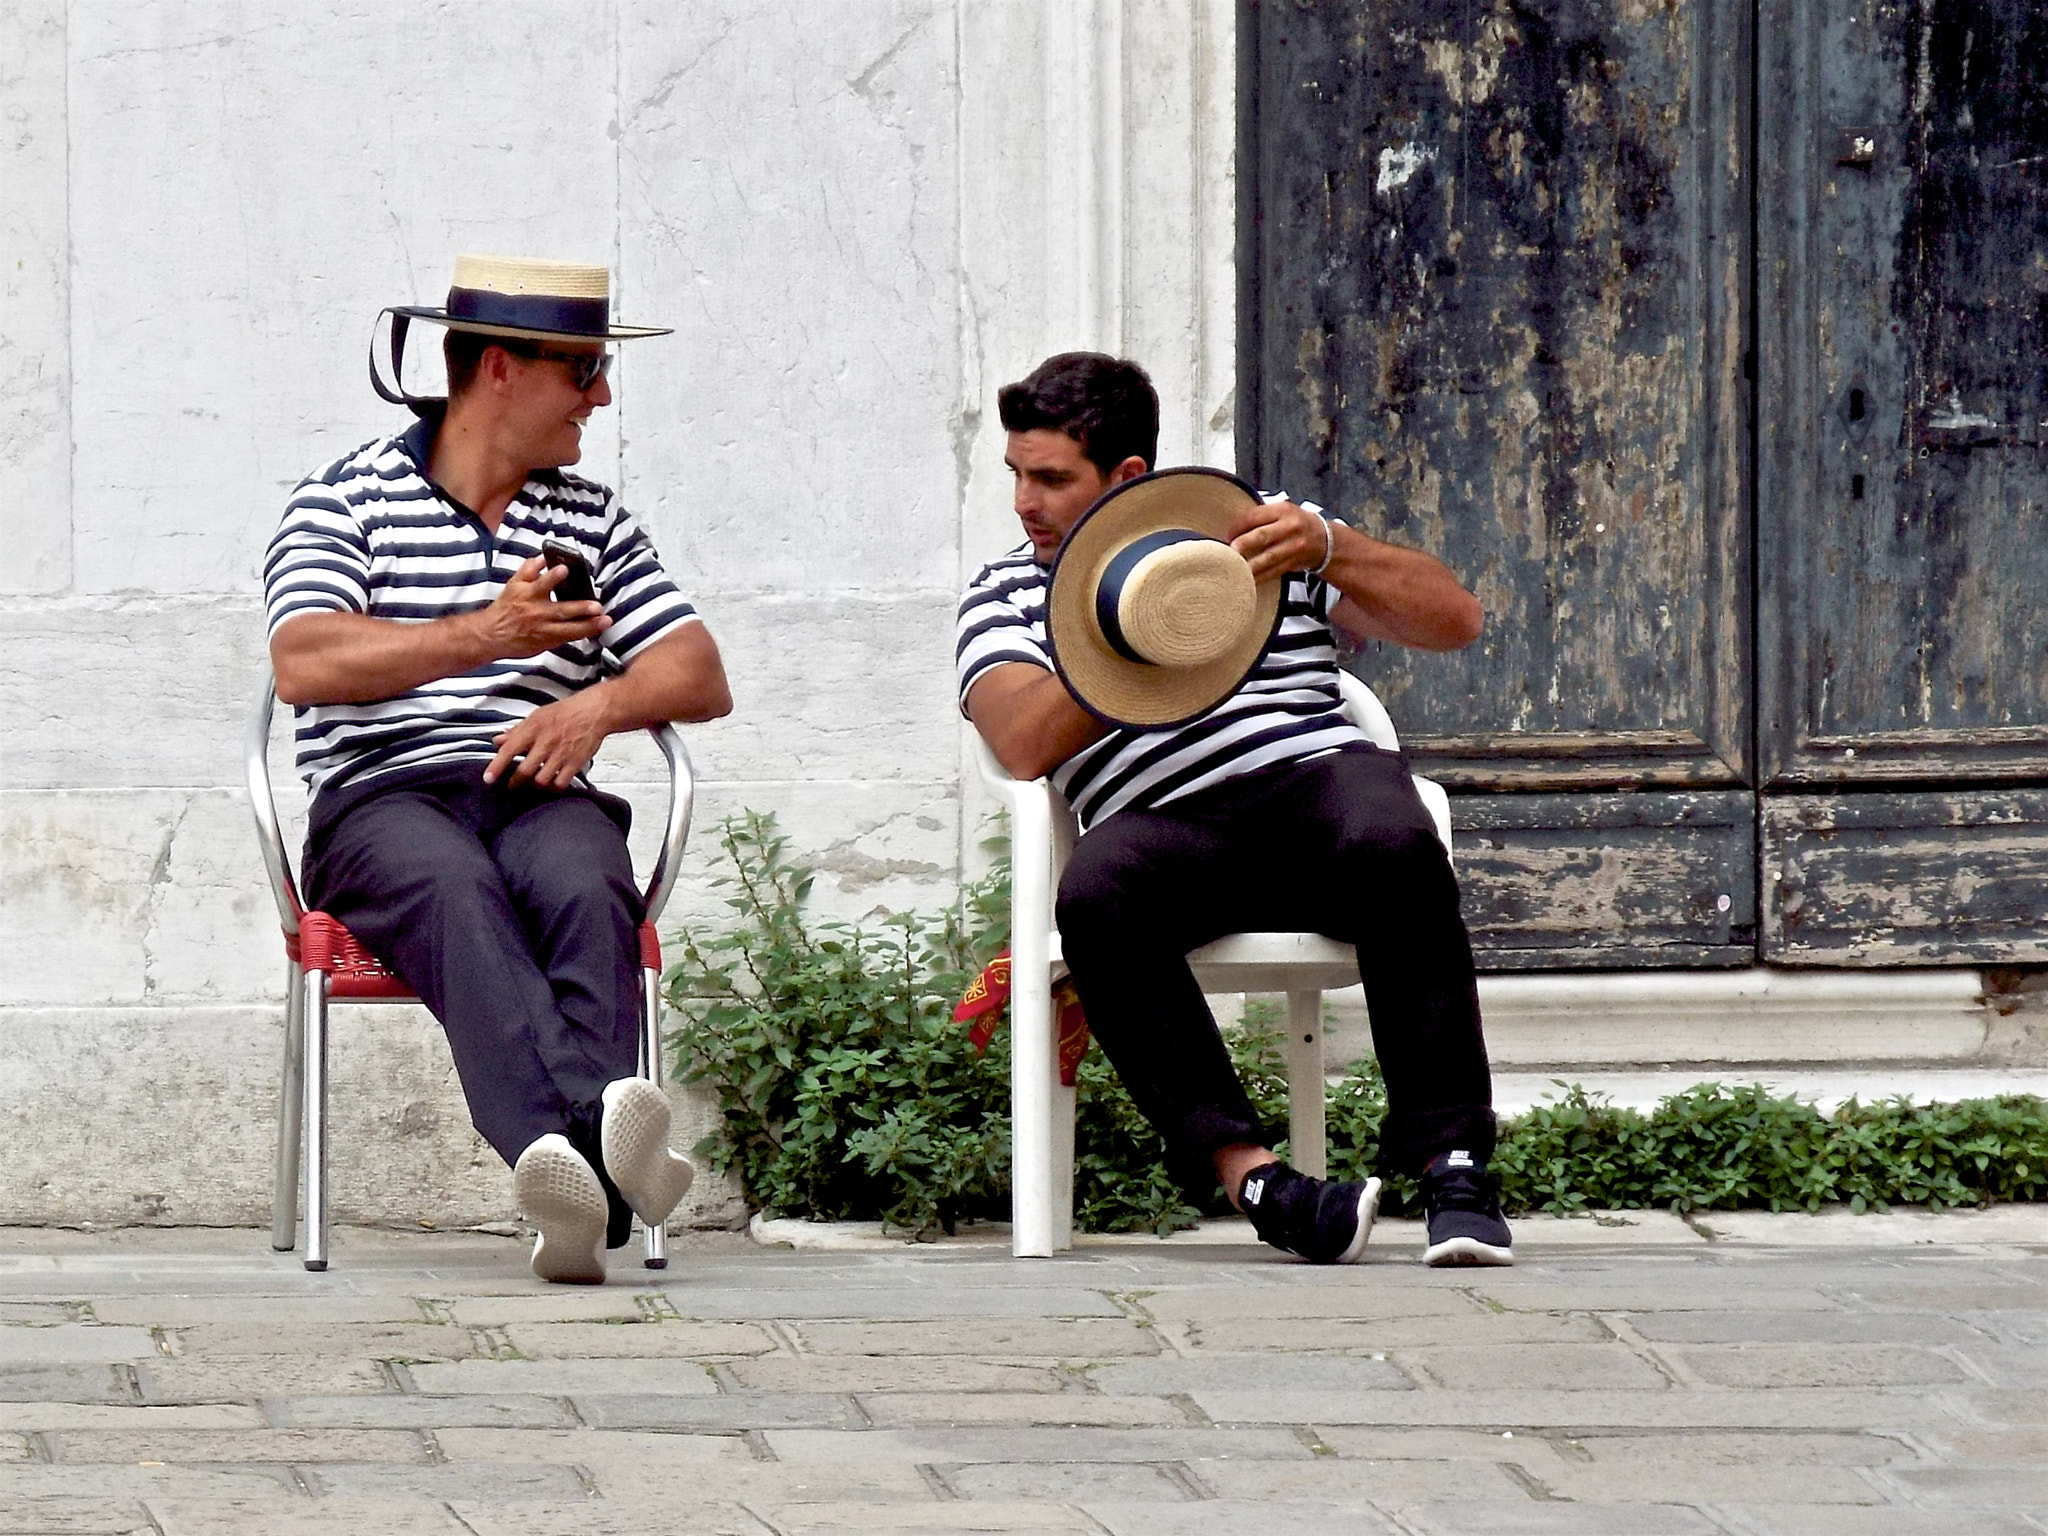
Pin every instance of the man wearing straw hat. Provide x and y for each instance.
(1162, 648)
(448, 702)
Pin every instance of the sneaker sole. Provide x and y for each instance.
(1465, 1253)
(633, 1136)
(561, 1196)
(1368, 1208)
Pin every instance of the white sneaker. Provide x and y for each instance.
(560, 1194)
(634, 1137)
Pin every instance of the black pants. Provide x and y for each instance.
(1339, 845)
(513, 914)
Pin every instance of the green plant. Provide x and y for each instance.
(846, 1091)
(845, 1088)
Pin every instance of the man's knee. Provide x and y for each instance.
(570, 859)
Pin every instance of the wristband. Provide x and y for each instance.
(1329, 544)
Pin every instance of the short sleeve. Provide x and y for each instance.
(991, 631)
(318, 560)
(644, 605)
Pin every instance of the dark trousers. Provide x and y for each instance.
(513, 914)
(1339, 845)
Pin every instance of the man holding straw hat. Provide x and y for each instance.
(1163, 647)
(450, 693)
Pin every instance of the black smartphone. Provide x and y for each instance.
(574, 587)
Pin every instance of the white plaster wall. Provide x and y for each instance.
(861, 217)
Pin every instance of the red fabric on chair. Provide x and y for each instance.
(322, 944)
(352, 971)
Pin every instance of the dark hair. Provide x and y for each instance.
(1103, 403)
(463, 351)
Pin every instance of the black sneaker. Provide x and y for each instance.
(1465, 1223)
(1324, 1222)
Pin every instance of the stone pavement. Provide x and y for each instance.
(1744, 1375)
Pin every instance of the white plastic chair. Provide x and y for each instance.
(1303, 965)
(323, 959)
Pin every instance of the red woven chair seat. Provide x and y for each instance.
(323, 944)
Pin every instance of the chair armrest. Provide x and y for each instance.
(1041, 835)
(269, 836)
(1365, 711)
(682, 800)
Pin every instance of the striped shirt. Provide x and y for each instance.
(370, 533)
(1288, 710)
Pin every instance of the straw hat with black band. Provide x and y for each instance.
(518, 298)
(1153, 618)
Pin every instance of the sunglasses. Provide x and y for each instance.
(585, 368)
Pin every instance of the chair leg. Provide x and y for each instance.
(1305, 1088)
(650, 1068)
(284, 1194)
(1062, 1166)
(315, 1024)
(1034, 1090)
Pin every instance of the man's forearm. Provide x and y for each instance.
(680, 678)
(351, 658)
(1029, 720)
(1393, 593)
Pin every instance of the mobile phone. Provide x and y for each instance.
(576, 586)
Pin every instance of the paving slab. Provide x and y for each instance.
(419, 1410)
(1554, 1518)
(219, 1447)
(549, 1378)
(952, 1515)
(1234, 1517)
(639, 1340)
(67, 1516)
(1006, 1338)
(730, 1413)
(1022, 1443)
(1049, 1409)
(892, 1373)
(609, 1517)
(296, 1515)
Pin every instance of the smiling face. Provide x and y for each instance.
(542, 409)
(1055, 483)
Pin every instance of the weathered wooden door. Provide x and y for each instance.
(1493, 263)
(1708, 339)
(1903, 480)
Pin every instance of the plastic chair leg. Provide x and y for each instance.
(650, 1068)
(315, 1024)
(284, 1194)
(1062, 1166)
(1305, 1084)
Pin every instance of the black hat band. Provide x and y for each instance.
(1109, 590)
(532, 311)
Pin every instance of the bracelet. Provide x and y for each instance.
(1329, 545)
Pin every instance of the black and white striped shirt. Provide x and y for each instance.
(1288, 710)
(370, 533)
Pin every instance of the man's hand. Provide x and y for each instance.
(524, 619)
(554, 743)
(680, 677)
(1276, 537)
(1385, 592)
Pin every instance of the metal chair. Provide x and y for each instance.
(323, 961)
(1303, 965)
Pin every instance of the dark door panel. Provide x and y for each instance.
(1593, 880)
(1903, 481)
(1493, 262)
(1948, 877)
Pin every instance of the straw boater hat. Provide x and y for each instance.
(521, 298)
(1154, 619)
